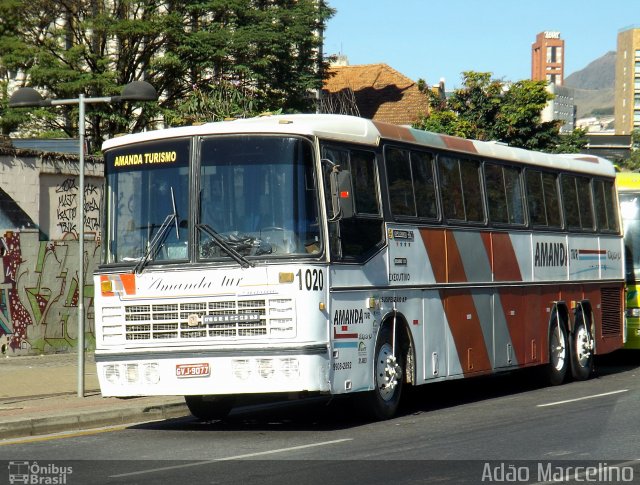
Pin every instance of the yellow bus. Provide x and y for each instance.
(628, 184)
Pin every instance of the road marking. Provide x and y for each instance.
(237, 457)
(582, 398)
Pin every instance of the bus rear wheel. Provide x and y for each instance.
(209, 408)
(558, 351)
(382, 403)
(581, 350)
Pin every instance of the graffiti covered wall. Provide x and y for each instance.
(40, 252)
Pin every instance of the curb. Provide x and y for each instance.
(22, 428)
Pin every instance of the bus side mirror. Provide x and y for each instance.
(341, 194)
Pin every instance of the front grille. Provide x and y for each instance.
(611, 299)
(171, 321)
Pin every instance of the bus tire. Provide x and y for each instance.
(558, 351)
(581, 349)
(382, 403)
(209, 408)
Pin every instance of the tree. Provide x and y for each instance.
(489, 109)
(632, 163)
(261, 54)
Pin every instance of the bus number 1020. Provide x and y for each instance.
(313, 279)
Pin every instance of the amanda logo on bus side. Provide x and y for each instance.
(350, 316)
(549, 254)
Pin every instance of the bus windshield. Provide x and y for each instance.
(258, 197)
(630, 211)
(147, 202)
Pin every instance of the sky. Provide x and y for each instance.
(434, 39)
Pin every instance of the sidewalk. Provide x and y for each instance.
(39, 395)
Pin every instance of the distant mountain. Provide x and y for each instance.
(599, 74)
(593, 86)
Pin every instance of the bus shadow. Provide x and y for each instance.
(619, 361)
(343, 412)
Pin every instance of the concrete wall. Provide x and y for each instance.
(39, 250)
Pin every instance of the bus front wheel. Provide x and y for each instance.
(209, 408)
(383, 401)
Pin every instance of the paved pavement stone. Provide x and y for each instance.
(39, 395)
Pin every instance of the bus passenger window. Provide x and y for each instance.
(605, 207)
(364, 182)
(411, 183)
(551, 199)
(576, 199)
(504, 194)
(542, 194)
(424, 184)
(461, 194)
(470, 171)
(583, 185)
(398, 164)
(496, 196)
(450, 188)
(356, 237)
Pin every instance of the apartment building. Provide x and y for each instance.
(627, 87)
(547, 58)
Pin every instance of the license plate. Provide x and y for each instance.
(193, 370)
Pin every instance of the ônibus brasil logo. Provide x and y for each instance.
(32, 473)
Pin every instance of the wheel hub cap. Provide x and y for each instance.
(388, 372)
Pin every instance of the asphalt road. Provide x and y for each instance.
(498, 429)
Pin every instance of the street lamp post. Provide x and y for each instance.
(30, 98)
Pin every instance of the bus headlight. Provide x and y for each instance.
(290, 368)
(132, 373)
(632, 312)
(112, 373)
(241, 369)
(151, 373)
(265, 368)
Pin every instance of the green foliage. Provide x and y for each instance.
(488, 109)
(571, 142)
(213, 103)
(633, 162)
(208, 59)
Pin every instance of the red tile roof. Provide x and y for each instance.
(381, 92)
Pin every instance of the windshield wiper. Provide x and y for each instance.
(160, 236)
(225, 246)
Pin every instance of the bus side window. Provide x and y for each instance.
(585, 199)
(535, 197)
(605, 207)
(496, 194)
(424, 184)
(543, 199)
(576, 200)
(504, 194)
(450, 188)
(460, 189)
(411, 183)
(356, 237)
(401, 197)
(552, 199)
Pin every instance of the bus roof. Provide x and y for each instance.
(367, 132)
(628, 181)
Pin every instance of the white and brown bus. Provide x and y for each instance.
(333, 254)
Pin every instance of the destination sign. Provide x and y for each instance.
(146, 156)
